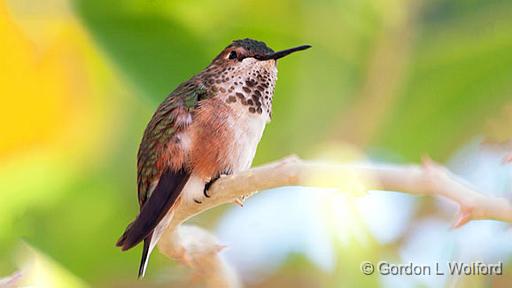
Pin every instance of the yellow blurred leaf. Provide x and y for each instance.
(52, 80)
(40, 271)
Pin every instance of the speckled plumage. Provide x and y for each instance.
(210, 125)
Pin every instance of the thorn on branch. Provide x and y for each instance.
(239, 202)
(426, 161)
(289, 160)
(465, 215)
(431, 169)
(507, 159)
(220, 247)
(432, 166)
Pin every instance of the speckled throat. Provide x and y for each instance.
(248, 85)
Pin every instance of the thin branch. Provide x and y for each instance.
(199, 250)
(428, 179)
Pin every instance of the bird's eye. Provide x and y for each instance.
(232, 55)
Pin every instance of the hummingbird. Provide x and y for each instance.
(209, 126)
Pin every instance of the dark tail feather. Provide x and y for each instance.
(154, 209)
(145, 256)
(122, 239)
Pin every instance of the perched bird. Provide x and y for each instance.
(209, 126)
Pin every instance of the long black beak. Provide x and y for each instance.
(282, 53)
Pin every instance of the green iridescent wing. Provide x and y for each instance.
(168, 119)
(159, 185)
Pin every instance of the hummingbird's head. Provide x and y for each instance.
(242, 49)
(245, 73)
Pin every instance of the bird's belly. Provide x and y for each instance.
(224, 139)
(247, 132)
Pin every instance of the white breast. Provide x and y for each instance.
(248, 129)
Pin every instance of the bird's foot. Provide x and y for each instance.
(205, 192)
(207, 187)
(209, 184)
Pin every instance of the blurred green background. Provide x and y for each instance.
(79, 80)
